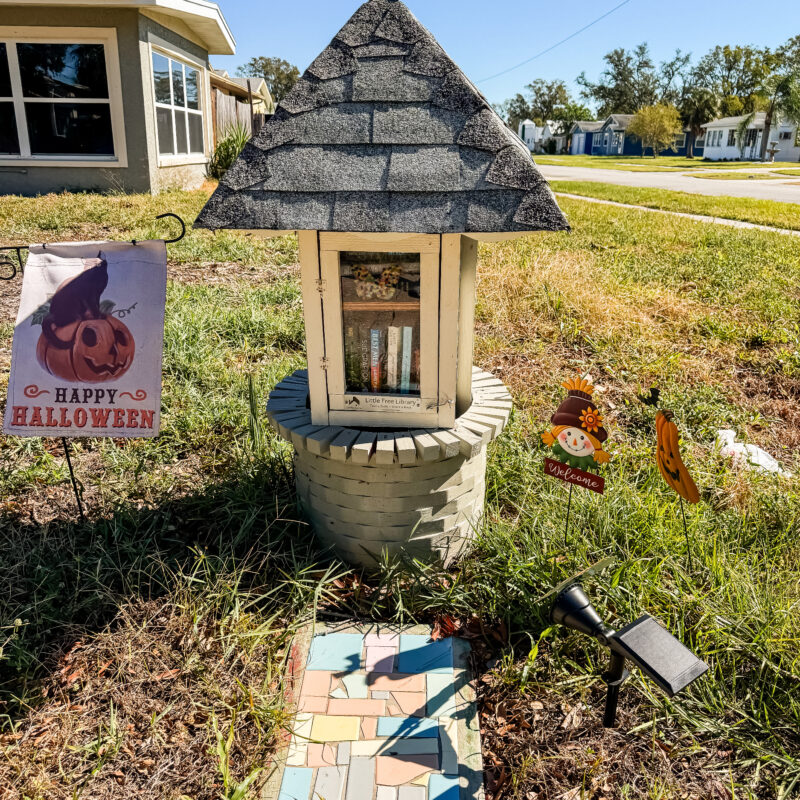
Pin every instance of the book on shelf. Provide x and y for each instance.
(366, 359)
(405, 368)
(392, 356)
(352, 350)
(375, 360)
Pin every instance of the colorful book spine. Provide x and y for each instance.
(392, 356)
(375, 360)
(352, 350)
(366, 359)
(405, 368)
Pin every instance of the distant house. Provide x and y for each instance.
(613, 139)
(722, 139)
(583, 134)
(108, 94)
(537, 137)
(243, 101)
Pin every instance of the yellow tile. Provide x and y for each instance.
(423, 780)
(335, 729)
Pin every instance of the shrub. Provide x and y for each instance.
(227, 150)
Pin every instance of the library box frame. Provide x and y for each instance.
(446, 318)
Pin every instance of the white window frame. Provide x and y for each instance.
(181, 159)
(11, 36)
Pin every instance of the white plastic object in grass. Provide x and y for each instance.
(748, 455)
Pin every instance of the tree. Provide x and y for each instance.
(657, 126)
(569, 114)
(514, 110)
(630, 81)
(545, 97)
(280, 75)
(698, 106)
(734, 75)
(779, 94)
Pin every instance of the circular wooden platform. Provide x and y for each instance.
(417, 492)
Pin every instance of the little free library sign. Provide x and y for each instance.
(88, 340)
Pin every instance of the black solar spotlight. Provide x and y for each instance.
(645, 643)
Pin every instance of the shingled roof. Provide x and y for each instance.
(384, 132)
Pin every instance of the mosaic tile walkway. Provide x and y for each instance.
(378, 718)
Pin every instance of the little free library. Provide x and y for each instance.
(391, 166)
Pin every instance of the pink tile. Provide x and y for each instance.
(397, 770)
(321, 755)
(382, 640)
(396, 682)
(369, 728)
(313, 705)
(380, 659)
(357, 708)
(316, 684)
(411, 703)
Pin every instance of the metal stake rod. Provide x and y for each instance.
(65, 442)
(614, 678)
(686, 534)
(569, 510)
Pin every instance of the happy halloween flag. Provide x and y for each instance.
(86, 357)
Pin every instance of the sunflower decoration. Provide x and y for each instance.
(578, 435)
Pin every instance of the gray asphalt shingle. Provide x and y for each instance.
(383, 132)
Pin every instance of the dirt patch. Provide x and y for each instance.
(139, 712)
(227, 273)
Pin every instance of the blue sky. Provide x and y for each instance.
(487, 36)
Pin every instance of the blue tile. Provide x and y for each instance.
(337, 652)
(408, 727)
(442, 787)
(420, 654)
(296, 784)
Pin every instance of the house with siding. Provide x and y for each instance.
(110, 94)
(583, 134)
(613, 139)
(723, 141)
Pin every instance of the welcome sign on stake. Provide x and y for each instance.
(88, 341)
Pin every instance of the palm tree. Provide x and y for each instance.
(698, 106)
(780, 100)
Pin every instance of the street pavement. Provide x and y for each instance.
(785, 191)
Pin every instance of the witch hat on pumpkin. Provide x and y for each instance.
(578, 434)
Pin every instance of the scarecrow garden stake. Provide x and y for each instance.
(672, 469)
(576, 441)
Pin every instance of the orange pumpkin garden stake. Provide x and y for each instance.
(671, 466)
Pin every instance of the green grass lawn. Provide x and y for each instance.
(760, 212)
(642, 163)
(762, 175)
(142, 653)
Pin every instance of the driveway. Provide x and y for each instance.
(787, 192)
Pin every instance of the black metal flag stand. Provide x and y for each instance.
(75, 489)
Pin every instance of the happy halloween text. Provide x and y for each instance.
(94, 418)
(574, 476)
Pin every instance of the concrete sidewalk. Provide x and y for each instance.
(786, 192)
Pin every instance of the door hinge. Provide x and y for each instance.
(324, 363)
(321, 285)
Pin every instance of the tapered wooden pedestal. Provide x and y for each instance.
(365, 493)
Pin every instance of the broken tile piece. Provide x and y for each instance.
(448, 738)
(408, 727)
(335, 729)
(296, 783)
(423, 780)
(386, 793)
(321, 755)
(421, 654)
(335, 652)
(380, 659)
(360, 708)
(441, 695)
(380, 695)
(315, 684)
(369, 727)
(396, 682)
(414, 792)
(356, 685)
(343, 753)
(382, 640)
(299, 742)
(339, 694)
(400, 769)
(412, 704)
(313, 705)
(330, 783)
(361, 774)
(442, 787)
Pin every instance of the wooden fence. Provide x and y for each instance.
(229, 111)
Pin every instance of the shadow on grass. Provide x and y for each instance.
(63, 580)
